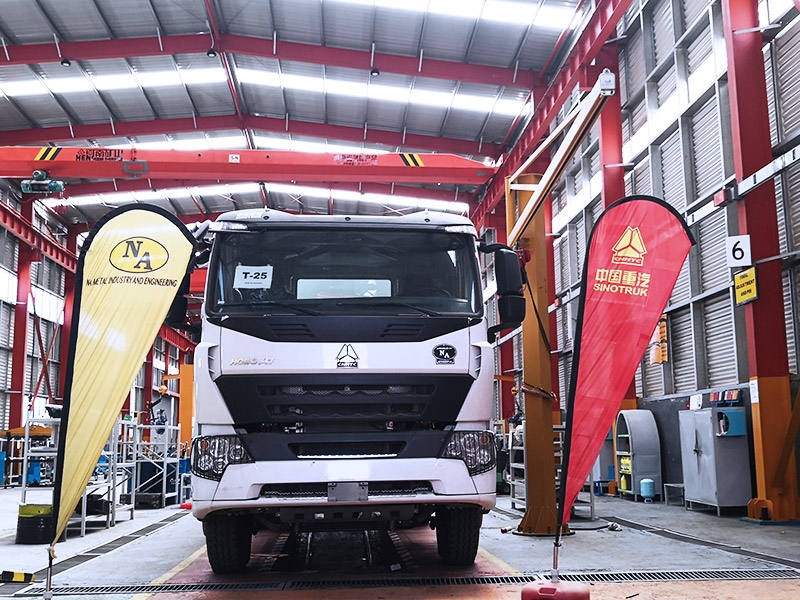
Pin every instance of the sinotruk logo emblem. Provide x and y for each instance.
(630, 249)
(138, 255)
(347, 358)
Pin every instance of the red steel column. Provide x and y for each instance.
(766, 332)
(69, 307)
(19, 353)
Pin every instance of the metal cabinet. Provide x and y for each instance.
(715, 457)
(638, 451)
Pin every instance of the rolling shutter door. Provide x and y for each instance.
(594, 163)
(713, 269)
(637, 381)
(699, 49)
(773, 113)
(782, 240)
(638, 116)
(706, 148)
(691, 10)
(577, 181)
(636, 69)
(653, 377)
(564, 373)
(672, 172)
(682, 291)
(789, 80)
(6, 325)
(5, 369)
(580, 246)
(791, 320)
(792, 200)
(663, 38)
(561, 263)
(642, 182)
(681, 351)
(666, 86)
(720, 343)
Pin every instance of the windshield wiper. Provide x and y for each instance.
(262, 303)
(380, 302)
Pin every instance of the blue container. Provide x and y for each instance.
(647, 489)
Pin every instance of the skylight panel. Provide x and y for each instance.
(18, 89)
(499, 11)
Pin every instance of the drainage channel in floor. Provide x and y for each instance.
(394, 582)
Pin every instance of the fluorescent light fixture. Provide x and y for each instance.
(119, 198)
(483, 104)
(272, 143)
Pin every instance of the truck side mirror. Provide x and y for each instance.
(507, 272)
(510, 302)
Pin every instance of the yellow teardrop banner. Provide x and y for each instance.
(129, 272)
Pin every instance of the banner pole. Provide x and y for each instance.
(48, 592)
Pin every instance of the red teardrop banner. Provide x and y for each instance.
(635, 254)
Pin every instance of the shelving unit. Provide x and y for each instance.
(100, 500)
(638, 452)
(516, 463)
(516, 467)
(39, 450)
(156, 465)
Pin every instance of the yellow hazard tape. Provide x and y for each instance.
(16, 577)
(47, 153)
(411, 160)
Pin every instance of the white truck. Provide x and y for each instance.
(343, 378)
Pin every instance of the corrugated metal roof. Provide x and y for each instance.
(290, 73)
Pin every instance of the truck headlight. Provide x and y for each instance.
(475, 448)
(212, 454)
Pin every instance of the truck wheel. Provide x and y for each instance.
(227, 542)
(458, 531)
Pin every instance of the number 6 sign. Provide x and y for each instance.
(737, 251)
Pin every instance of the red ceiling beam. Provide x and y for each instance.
(240, 165)
(45, 135)
(26, 233)
(602, 23)
(251, 46)
(143, 185)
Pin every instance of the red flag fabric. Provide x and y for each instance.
(635, 254)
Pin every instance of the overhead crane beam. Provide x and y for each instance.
(602, 23)
(268, 48)
(121, 129)
(239, 165)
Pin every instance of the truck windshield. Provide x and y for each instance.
(321, 271)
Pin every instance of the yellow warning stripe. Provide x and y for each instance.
(16, 577)
(48, 153)
(412, 160)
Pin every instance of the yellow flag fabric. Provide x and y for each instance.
(129, 272)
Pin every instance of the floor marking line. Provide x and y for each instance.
(172, 572)
(498, 562)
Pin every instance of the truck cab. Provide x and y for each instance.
(344, 379)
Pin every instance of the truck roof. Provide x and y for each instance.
(424, 217)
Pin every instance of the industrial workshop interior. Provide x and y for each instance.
(358, 299)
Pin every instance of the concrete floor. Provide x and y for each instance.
(728, 558)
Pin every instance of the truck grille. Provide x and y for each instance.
(320, 490)
(347, 449)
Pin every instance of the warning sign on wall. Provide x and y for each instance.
(745, 287)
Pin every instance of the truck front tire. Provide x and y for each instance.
(228, 539)
(458, 532)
